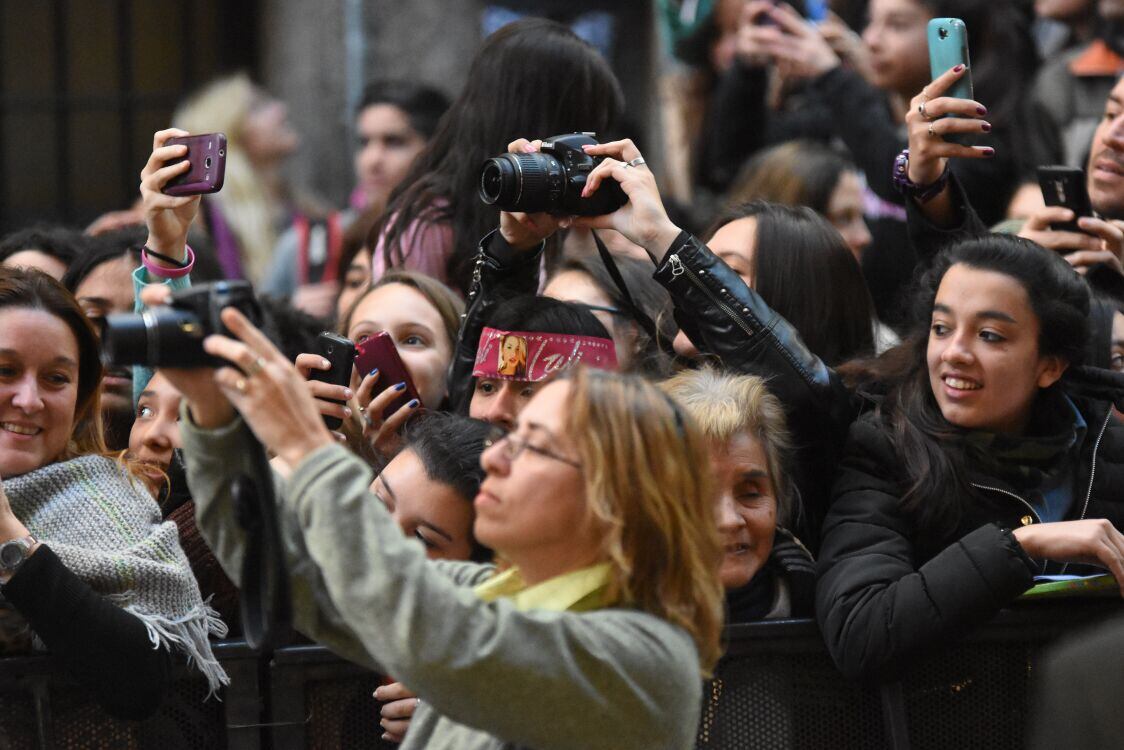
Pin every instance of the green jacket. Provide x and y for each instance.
(488, 675)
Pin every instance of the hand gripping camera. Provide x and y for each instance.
(551, 180)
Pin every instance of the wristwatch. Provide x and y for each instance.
(907, 187)
(13, 553)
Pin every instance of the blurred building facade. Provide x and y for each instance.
(85, 83)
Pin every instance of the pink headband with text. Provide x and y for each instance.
(523, 355)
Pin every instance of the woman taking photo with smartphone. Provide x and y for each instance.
(595, 632)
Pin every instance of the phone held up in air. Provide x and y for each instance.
(340, 353)
(207, 154)
(948, 47)
(1065, 186)
(379, 352)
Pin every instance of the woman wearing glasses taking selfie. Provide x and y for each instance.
(609, 607)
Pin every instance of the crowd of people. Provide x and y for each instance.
(845, 364)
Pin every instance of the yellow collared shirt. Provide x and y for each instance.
(581, 590)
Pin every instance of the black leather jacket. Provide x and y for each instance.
(726, 319)
(499, 273)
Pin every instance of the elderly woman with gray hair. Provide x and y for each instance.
(766, 571)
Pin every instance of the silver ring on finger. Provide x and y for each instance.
(255, 367)
(635, 162)
(921, 110)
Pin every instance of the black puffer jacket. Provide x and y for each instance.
(887, 592)
(726, 319)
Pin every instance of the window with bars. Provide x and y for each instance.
(85, 83)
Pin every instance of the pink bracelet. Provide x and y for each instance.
(164, 271)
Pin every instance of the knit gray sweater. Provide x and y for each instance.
(489, 676)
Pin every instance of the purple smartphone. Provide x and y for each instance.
(379, 352)
(207, 154)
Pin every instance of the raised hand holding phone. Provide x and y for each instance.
(167, 217)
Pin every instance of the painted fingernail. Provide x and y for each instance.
(347, 393)
(413, 404)
(981, 110)
(346, 411)
(958, 68)
(375, 371)
(401, 386)
(986, 127)
(989, 152)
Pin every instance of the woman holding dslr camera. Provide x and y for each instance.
(595, 633)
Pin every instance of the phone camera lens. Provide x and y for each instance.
(942, 33)
(222, 152)
(207, 162)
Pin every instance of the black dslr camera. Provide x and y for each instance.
(172, 335)
(550, 180)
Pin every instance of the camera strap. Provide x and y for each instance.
(642, 318)
(265, 605)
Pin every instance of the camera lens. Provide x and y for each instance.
(522, 182)
(161, 337)
(124, 339)
(207, 162)
(498, 181)
(942, 32)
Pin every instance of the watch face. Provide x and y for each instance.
(11, 555)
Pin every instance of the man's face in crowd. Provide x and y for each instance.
(387, 147)
(1106, 158)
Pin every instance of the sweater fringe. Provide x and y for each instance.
(190, 635)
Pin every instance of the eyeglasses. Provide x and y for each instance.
(512, 445)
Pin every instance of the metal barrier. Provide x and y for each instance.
(775, 688)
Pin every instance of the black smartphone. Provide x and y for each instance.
(1065, 186)
(340, 352)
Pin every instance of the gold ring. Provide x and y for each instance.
(255, 367)
(362, 409)
(240, 385)
(931, 133)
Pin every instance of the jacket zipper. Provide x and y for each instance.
(1092, 472)
(1029, 507)
(678, 269)
(1088, 492)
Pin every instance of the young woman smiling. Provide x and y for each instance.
(977, 471)
(85, 559)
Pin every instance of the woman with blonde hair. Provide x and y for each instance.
(605, 612)
(766, 571)
(255, 204)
